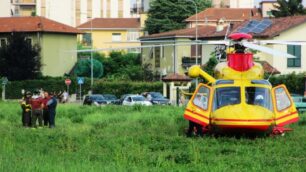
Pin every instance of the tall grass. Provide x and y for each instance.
(117, 138)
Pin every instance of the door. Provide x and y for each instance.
(199, 107)
(285, 111)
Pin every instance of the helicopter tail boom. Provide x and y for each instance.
(195, 71)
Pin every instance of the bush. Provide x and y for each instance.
(294, 82)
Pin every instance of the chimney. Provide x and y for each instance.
(220, 25)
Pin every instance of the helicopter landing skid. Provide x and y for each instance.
(280, 130)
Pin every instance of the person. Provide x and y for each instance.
(26, 109)
(37, 107)
(200, 101)
(46, 116)
(52, 103)
(65, 97)
(259, 100)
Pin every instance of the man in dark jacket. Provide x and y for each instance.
(26, 109)
(52, 103)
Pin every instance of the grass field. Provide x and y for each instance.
(138, 138)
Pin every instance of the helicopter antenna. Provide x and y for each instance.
(271, 74)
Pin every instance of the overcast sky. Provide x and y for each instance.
(257, 2)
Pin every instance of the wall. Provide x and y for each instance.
(267, 6)
(5, 8)
(57, 58)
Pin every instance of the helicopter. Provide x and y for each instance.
(239, 99)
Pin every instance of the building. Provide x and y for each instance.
(55, 39)
(112, 32)
(233, 3)
(75, 12)
(179, 57)
(267, 6)
(213, 16)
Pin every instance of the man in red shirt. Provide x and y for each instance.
(37, 109)
(46, 114)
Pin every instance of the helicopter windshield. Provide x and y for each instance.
(258, 96)
(227, 96)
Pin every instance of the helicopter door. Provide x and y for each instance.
(285, 111)
(199, 107)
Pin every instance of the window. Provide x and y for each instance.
(193, 51)
(116, 37)
(227, 96)
(87, 38)
(282, 99)
(269, 13)
(157, 56)
(132, 35)
(201, 98)
(3, 42)
(258, 96)
(29, 41)
(296, 51)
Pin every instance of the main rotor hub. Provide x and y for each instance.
(240, 36)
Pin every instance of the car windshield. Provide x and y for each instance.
(97, 97)
(157, 95)
(138, 98)
(226, 96)
(109, 97)
(258, 96)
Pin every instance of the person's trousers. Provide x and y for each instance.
(26, 119)
(46, 117)
(52, 114)
(36, 114)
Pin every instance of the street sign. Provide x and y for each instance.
(68, 81)
(80, 80)
(4, 80)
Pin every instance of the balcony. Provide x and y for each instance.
(24, 2)
(189, 61)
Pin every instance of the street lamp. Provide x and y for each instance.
(91, 55)
(196, 29)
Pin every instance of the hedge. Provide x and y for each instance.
(13, 89)
(295, 83)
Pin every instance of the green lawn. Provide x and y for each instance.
(118, 138)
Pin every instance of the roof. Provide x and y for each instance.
(233, 14)
(111, 23)
(209, 32)
(34, 24)
(268, 68)
(278, 25)
(176, 77)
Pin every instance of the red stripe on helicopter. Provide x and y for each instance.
(194, 120)
(288, 122)
(243, 120)
(198, 114)
(284, 116)
(253, 127)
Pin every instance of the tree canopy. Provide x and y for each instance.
(19, 60)
(166, 15)
(286, 8)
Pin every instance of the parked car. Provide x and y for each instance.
(110, 98)
(300, 102)
(95, 99)
(156, 98)
(131, 100)
(120, 101)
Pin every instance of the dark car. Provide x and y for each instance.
(96, 99)
(110, 98)
(156, 98)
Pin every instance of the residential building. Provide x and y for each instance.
(213, 16)
(233, 3)
(58, 42)
(267, 6)
(75, 12)
(112, 33)
(178, 58)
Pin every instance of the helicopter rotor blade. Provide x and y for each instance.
(264, 42)
(266, 50)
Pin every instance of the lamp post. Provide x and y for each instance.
(91, 56)
(196, 30)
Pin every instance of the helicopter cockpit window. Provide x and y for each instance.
(258, 96)
(227, 96)
(201, 98)
(282, 99)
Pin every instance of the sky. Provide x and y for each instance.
(258, 1)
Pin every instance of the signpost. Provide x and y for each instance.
(68, 82)
(4, 82)
(80, 81)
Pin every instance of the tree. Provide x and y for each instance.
(286, 8)
(165, 15)
(19, 60)
(83, 68)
